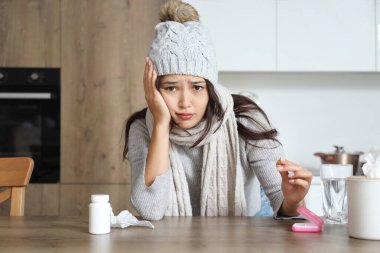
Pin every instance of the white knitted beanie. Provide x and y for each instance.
(183, 47)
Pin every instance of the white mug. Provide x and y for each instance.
(364, 207)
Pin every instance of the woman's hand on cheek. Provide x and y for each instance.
(295, 182)
(156, 104)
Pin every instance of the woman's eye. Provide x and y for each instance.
(171, 88)
(198, 88)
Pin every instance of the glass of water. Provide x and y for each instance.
(334, 192)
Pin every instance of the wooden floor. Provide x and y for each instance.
(215, 235)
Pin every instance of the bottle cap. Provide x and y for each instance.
(96, 198)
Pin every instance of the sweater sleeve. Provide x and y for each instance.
(262, 156)
(150, 202)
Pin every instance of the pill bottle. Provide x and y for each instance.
(99, 214)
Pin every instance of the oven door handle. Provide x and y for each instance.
(25, 95)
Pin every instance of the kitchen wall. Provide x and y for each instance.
(315, 110)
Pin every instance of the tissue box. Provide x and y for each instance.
(363, 207)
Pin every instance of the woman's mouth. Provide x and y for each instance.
(185, 116)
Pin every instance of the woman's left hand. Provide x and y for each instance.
(295, 183)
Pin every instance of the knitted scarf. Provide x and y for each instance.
(222, 187)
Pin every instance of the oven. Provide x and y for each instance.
(30, 119)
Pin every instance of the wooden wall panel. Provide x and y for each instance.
(142, 18)
(29, 33)
(95, 98)
(5, 206)
(74, 198)
(42, 200)
(104, 44)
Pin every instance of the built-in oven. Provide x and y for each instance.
(30, 119)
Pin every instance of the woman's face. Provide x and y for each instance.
(186, 97)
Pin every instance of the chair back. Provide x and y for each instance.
(15, 174)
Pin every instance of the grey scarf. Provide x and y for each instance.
(222, 187)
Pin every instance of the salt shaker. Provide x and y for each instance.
(99, 214)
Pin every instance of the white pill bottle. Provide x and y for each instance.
(99, 214)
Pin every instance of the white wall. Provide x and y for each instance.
(314, 111)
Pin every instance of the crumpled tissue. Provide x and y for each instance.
(371, 168)
(125, 219)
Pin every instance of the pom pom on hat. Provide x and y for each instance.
(178, 11)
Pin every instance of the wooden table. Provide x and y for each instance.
(214, 235)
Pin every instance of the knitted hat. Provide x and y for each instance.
(182, 45)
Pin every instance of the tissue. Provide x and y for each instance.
(125, 219)
(372, 166)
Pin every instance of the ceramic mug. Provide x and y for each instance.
(363, 207)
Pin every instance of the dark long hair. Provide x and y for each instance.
(243, 108)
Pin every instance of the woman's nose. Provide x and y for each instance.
(185, 100)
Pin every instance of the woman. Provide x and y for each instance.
(197, 149)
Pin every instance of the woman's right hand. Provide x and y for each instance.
(157, 160)
(156, 103)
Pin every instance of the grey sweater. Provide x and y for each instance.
(259, 165)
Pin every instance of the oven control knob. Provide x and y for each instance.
(34, 76)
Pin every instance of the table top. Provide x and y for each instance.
(174, 234)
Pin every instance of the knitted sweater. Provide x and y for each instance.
(259, 165)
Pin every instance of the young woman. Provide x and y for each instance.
(197, 149)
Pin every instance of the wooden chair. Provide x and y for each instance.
(15, 173)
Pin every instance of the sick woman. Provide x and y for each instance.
(198, 150)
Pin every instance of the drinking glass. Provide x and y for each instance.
(334, 192)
